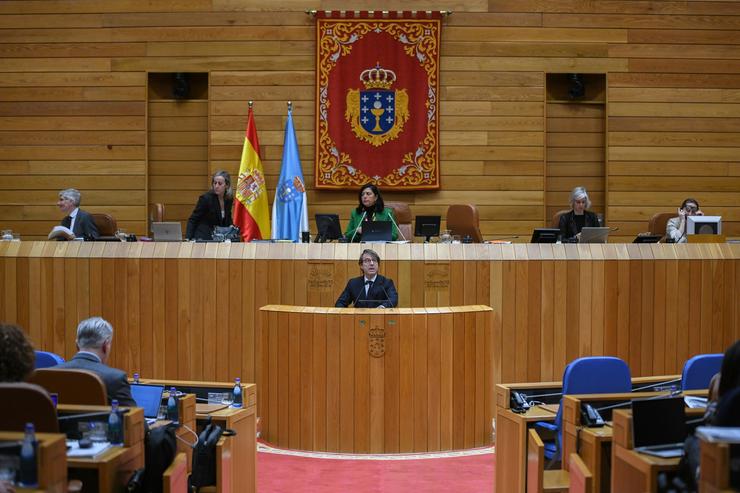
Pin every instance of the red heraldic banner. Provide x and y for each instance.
(377, 101)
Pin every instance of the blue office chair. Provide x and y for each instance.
(588, 375)
(699, 370)
(45, 359)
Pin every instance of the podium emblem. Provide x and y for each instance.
(376, 342)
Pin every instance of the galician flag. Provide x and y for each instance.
(290, 209)
(251, 209)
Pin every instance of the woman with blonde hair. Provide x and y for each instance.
(579, 216)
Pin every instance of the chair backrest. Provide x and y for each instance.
(556, 218)
(699, 370)
(593, 375)
(581, 479)
(659, 221)
(402, 213)
(72, 386)
(535, 462)
(462, 219)
(105, 223)
(156, 212)
(26, 403)
(45, 359)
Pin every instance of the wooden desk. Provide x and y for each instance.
(113, 467)
(51, 459)
(376, 381)
(511, 440)
(594, 444)
(633, 471)
(715, 467)
(240, 449)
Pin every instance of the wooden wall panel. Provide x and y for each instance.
(73, 104)
(551, 304)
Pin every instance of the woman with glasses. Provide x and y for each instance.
(370, 290)
(370, 208)
(675, 229)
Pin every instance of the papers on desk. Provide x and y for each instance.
(719, 434)
(693, 402)
(61, 232)
(74, 450)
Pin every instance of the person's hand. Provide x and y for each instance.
(6, 487)
(359, 229)
(682, 213)
(578, 237)
(698, 213)
(381, 306)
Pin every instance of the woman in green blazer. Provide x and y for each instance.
(370, 208)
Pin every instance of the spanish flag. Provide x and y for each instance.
(251, 210)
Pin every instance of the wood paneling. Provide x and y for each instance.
(414, 357)
(73, 104)
(552, 303)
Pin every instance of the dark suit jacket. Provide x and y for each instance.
(568, 227)
(115, 380)
(380, 292)
(84, 225)
(207, 215)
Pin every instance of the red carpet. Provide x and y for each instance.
(278, 473)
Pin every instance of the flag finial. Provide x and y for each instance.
(250, 104)
(290, 105)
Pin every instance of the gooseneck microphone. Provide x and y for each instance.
(397, 228)
(380, 282)
(355, 233)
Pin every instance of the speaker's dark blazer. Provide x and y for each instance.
(84, 225)
(207, 215)
(568, 227)
(380, 292)
(116, 384)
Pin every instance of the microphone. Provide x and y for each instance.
(361, 219)
(382, 286)
(615, 228)
(399, 229)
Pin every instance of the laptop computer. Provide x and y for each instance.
(376, 231)
(148, 397)
(659, 426)
(167, 231)
(594, 235)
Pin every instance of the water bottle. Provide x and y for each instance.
(115, 427)
(29, 468)
(172, 413)
(238, 399)
(136, 378)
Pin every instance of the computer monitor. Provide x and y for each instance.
(545, 235)
(704, 225)
(328, 227)
(427, 226)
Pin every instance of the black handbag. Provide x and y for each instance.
(223, 233)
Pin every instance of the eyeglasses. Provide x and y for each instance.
(369, 261)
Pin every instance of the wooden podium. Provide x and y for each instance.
(374, 380)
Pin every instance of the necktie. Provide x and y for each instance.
(368, 285)
(67, 221)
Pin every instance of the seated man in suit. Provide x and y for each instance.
(80, 222)
(370, 290)
(94, 339)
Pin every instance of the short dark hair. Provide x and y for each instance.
(372, 253)
(17, 357)
(379, 204)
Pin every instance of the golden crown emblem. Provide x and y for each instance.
(378, 77)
